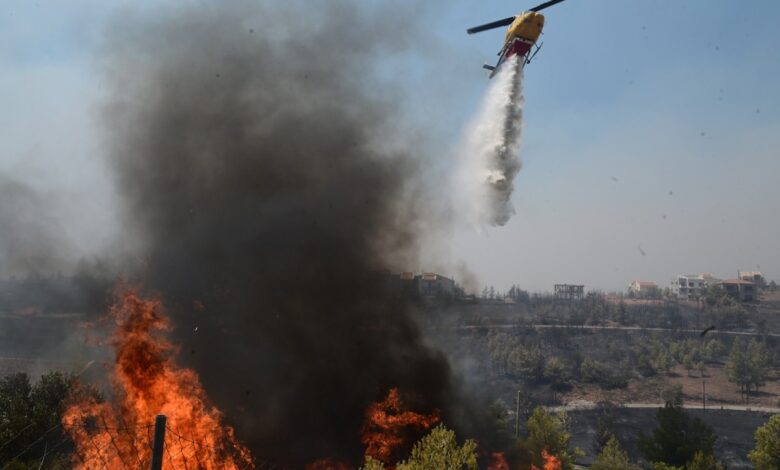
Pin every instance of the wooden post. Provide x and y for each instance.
(159, 442)
(704, 395)
(517, 415)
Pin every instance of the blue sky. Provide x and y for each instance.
(664, 97)
(647, 123)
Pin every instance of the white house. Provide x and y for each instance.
(752, 276)
(689, 286)
(641, 288)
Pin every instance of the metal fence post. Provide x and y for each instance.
(159, 442)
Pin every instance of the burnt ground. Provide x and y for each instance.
(473, 335)
(648, 390)
(735, 431)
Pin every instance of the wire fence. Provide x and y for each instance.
(101, 446)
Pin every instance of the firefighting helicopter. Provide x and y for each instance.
(521, 36)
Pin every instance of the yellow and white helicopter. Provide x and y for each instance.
(521, 36)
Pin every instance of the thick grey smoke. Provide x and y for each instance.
(32, 236)
(489, 153)
(249, 145)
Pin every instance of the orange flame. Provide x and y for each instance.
(146, 382)
(389, 427)
(498, 461)
(328, 464)
(551, 462)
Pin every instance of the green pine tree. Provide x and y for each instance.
(702, 461)
(372, 464)
(766, 454)
(678, 437)
(548, 432)
(440, 449)
(612, 457)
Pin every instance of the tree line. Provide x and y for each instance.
(679, 441)
(564, 358)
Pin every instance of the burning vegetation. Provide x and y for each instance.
(390, 429)
(147, 381)
(551, 462)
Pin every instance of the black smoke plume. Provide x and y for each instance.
(250, 147)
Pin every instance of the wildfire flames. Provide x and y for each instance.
(146, 382)
(498, 461)
(328, 464)
(389, 427)
(551, 462)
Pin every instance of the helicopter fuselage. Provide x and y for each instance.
(521, 36)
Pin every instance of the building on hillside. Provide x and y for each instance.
(424, 284)
(710, 280)
(689, 286)
(569, 291)
(752, 276)
(435, 285)
(643, 288)
(739, 289)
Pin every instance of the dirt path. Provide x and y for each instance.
(605, 327)
(589, 405)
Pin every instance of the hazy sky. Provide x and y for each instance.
(651, 124)
(647, 123)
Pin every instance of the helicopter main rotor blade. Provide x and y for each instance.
(545, 5)
(495, 24)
